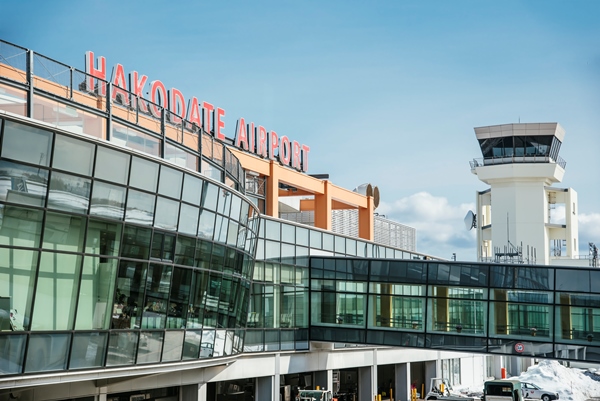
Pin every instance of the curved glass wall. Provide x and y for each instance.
(108, 258)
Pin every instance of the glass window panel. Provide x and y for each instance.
(210, 196)
(287, 253)
(20, 226)
(173, 346)
(47, 352)
(224, 201)
(112, 165)
(188, 219)
(220, 338)
(191, 346)
(222, 224)
(272, 250)
(103, 238)
(328, 242)
(88, 350)
(150, 346)
(73, 155)
(236, 207)
(208, 344)
(272, 230)
(140, 207)
(96, 294)
(11, 357)
(13, 100)
(17, 278)
(302, 236)
(26, 144)
(158, 283)
(316, 239)
(63, 232)
(179, 298)
(288, 233)
(69, 193)
(56, 291)
(129, 295)
(206, 226)
(135, 139)
(22, 184)
(108, 200)
(203, 254)
(136, 242)
(122, 348)
(185, 250)
(169, 214)
(192, 189)
(144, 174)
(170, 182)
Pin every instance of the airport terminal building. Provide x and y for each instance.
(144, 256)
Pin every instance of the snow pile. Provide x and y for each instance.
(570, 384)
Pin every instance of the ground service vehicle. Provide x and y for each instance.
(315, 395)
(440, 389)
(530, 390)
(502, 390)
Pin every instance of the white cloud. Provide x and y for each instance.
(589, 230)
(440, 226)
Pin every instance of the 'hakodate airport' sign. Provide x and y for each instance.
(256, 140)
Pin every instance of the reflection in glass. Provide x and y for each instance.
(56, 291)
(206, 225)
(208, 344)
(38, 142)
(170, 182)
(103, 238)
(150, 346)
(168, 214)
(96, 294)
(157, 291)
(47, 352)
(136, 242)
(188, 219)
(173, 346)
(144, 174)
(192, 189)
(191, 347)
(108, 200)
(210, 196)
(129, 295)
(22, 184)
(140, 207)
(20, 226)
(11, 359)
(121, 348)
(112, 165)
(73, 155)
(69, 193)
(17, 278)
(88, 350)
(63, 232)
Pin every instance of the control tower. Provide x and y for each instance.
(519, 218)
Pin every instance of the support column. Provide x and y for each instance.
(202, 391)
(264, 389)
(402, 381)
(276, 378)
(366, 391)
(431, 371)
(324, 379)
(272, 195)
(323, 208)
(366, 220)
(190, 392)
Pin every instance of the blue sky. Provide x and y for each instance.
(383, 92)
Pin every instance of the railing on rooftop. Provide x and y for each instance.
(480, 162)
(162, 132)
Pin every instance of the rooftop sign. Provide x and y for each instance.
(248, 138)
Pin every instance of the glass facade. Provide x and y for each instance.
(106, 258)
(518, 310)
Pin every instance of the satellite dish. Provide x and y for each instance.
(470, 220)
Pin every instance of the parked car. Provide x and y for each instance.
(530, 390)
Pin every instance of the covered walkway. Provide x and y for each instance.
(508, 309)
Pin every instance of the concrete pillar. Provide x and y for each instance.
(402, 381)
(324, 379)
(264, 389)
(431, 371)
(202, 390)
(366, 391)
(190, 393)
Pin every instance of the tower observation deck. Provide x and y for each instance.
(520, 163)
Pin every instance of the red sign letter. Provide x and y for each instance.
(305, 150)
(296, 163)
(194, 112)
(219, 125)
(208, 116)
(261, 142)
(285, 150)
(136, 86)
(158, 95)
(176, 106)
(241, 136)
(119, 86)
(274, 144)
(98, 72)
